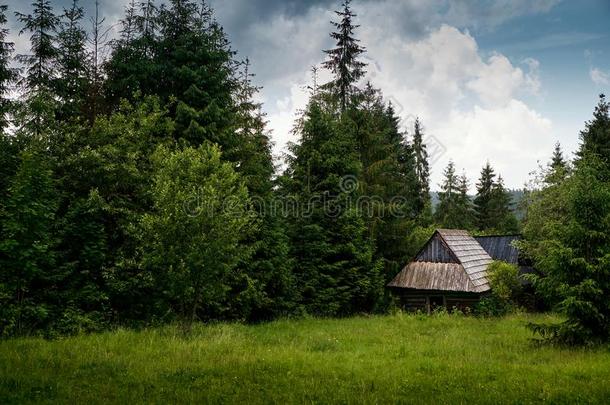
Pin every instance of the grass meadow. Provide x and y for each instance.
(381, 359)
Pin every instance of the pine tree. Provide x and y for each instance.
(503, 218)
(37, 113)
(8, 74)
(493, 204)
(558, 168)
(483, 199)
(71, 85)
(422, 169)
(267, 289)
(41, 63)
(465, 204)
(343, 60)
(129, 22)
(331, 247)
(97, 41)
(146, 23)
(447, 196)
(595, 138)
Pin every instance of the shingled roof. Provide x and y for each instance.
(500, 247)
(463, 269)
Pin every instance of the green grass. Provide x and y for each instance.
(399, 358)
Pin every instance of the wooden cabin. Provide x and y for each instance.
(449, 271)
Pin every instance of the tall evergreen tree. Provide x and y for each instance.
(387, 179)
(40, 64)
(146, 24)
(397, 187)
(71, 85)
(97, 42)
(8, 74)
(566, 235)
(465, 205)
(483, 200)
(343, 60)
(422, 168)
(129, 22)
(332, 250)
(595, 138)
(503, 218)
(39, 81)
(558, 161)
(493, 204)
(267, 289)
(455, 208)
(558, 168)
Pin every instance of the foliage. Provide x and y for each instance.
(71, 85)
(493, 204)
(8, 73)
(332, 249)
(343, 60)
(567, 237)
(27, 255)
(569, 246)
(191, 239)
(506, 288)
(595, 138)
(455, 208)
(422, 170)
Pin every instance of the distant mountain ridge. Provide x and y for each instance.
(517, 196)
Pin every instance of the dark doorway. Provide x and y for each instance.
(436, 301)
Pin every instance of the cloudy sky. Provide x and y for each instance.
(497, 80)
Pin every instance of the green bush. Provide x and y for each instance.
(506, 288)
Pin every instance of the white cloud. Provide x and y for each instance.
(470, 102)
(599, 77)
(513, 138)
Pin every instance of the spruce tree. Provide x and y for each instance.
(595, 138)
(483, 199)
(71, 85)
(129, 22)
(566, 235)
(332, 250)
(267, 289)
(146, 24)
(503, 218)
(445, 211)
(40, 64)
(8, 74)
(558, 168)
(97, 41)
(466, 210)
(422, 169)
(343, 60)
(493, 204)
(398, 185)
(37, 113)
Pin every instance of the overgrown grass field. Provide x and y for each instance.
(399, 358)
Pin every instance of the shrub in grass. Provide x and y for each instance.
(505, 290)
